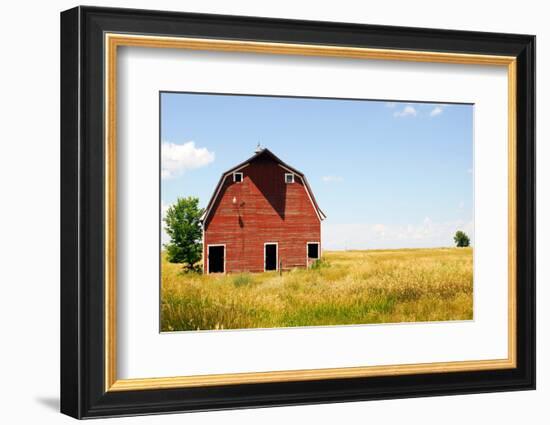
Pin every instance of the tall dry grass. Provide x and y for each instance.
(349, 287)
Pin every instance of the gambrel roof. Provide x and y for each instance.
(261, 153)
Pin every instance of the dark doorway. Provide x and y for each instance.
(216, 259)
(312, 250)
(270, 256)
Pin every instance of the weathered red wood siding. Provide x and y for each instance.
(266, 209)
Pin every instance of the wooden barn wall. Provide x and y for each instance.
(266, 209)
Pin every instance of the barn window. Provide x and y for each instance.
(313, 250)
(237, 177)
(289, 178)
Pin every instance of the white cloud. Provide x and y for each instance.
(438, 110)
(176, 159)
(425, 234)
(164, 208)
(332, 179)
(407, 111)
(379, 228)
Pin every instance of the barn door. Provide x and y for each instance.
(270, 256)
(216, 259)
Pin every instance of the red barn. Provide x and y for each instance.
(263, 216)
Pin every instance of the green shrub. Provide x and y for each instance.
(320, 263)
(243, 279)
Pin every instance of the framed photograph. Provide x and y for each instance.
(261, 212)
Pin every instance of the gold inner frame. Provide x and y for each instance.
(113, 41)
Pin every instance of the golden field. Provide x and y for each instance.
(348, 287)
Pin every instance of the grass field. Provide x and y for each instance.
(350, 287)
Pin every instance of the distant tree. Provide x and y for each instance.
(461, 239)
(182, 223)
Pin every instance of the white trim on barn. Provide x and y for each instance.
(285, 168)
(235, 174)
(218, 189)
(203, 253)
(320, 214)
(306, 187)
(276, 255)
(208, 256)
(307, 251)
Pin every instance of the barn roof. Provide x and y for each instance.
(259, 153)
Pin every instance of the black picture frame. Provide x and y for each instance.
(82, 212)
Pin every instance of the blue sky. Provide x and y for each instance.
(387, 174)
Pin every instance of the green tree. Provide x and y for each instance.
(183, 225)
(461, 239)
